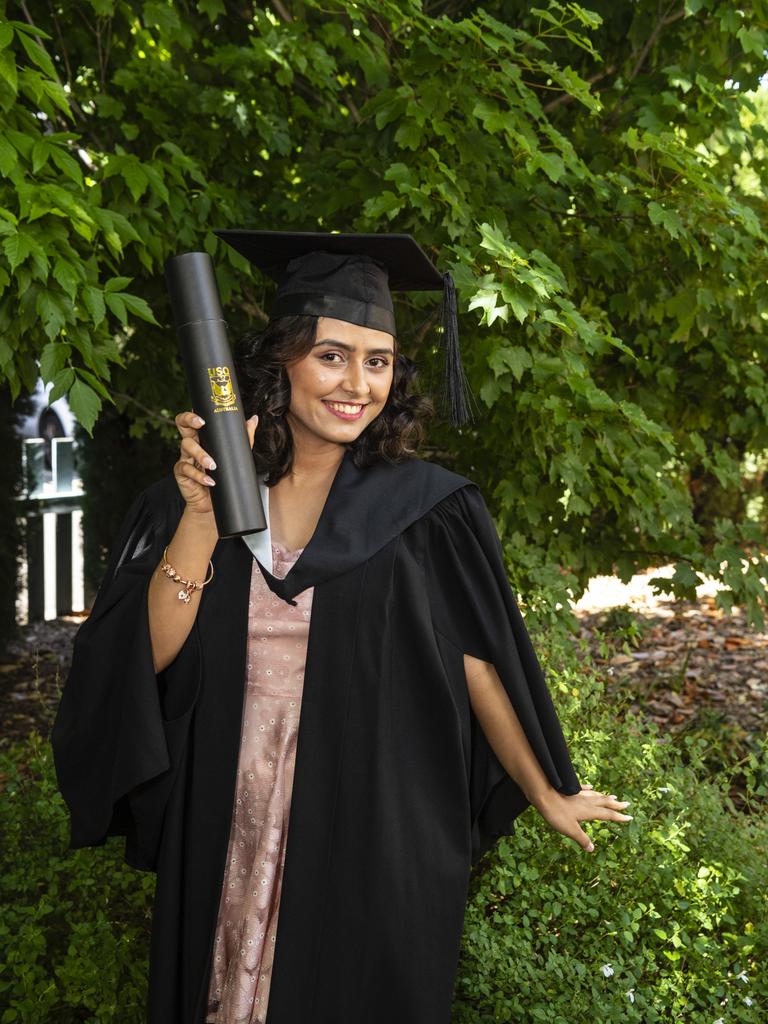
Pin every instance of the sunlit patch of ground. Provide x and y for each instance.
(609, 592)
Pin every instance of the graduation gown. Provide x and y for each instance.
(396, 790)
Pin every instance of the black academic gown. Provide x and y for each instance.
(396, 790)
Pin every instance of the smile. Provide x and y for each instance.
(345, 410)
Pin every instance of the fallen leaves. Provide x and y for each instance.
(690, 658)
(31, 680)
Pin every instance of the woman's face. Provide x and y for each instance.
(342, 384)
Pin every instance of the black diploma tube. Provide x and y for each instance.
(214, 391)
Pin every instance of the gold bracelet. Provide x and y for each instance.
(188, 585)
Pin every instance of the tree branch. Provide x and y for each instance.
(31, 23)
(282, 10)
(104, 52)
(152, 413)
(639, 57)
(664, 20)
(79, 112)
(252, 307)
(567, 98)
(353, 111)
(62, 45)
(425, 328)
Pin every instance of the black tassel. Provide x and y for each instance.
(455, 385)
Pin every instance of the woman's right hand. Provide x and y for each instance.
(193, 467)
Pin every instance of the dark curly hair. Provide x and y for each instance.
(260, 361)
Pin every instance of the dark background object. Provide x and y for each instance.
(11, 524)
(214, 391)
(115, 466)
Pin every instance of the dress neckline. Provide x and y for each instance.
(286, 553)
(283, 560)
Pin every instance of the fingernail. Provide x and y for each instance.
(209, 463)
(209, 481)
(199, 421)
(627, 817)
(590, 848)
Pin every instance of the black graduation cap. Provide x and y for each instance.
(350, 277)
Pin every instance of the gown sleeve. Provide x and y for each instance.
(120, 729)
(474, 612)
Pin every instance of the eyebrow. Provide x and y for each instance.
(351, 348)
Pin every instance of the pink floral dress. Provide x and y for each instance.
(246, 927)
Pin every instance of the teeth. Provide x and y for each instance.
(349, 409)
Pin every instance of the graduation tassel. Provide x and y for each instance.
(455, 384)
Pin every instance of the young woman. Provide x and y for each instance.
(313, 749)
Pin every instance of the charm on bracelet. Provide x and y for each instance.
(188, 586)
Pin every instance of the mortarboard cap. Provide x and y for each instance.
(350, 277)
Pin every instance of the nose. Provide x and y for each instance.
(355, 381)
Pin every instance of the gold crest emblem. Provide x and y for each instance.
(222, 392)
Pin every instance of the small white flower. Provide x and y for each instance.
(747, 1001)
(719, 1021)
(666, 789)
(607, 970)
(743, 977)
(631, 995)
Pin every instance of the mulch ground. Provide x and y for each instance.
(32, 675)
(693, 662)
(693, 670)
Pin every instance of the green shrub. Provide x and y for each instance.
(666, 921)
(671, 902)
(623, 627)
(75, 924)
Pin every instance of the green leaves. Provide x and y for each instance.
(9, 76)
(601, 203)
(659, 921)
(62, 382)
(491, 116)
(16, 247)
(753, 40)
(131, 171)
(66, 275)
(668, 219)
(85, 404)
(59, 952)
(54, 311)
(37, 54)
(48, 211)
(94, 302)
(552, 164)
(510, 358)
(53, 358)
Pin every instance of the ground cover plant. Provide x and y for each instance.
(75, 924)
(665, 922)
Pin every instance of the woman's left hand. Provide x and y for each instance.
(564, 813)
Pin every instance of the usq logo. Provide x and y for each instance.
(222, 392)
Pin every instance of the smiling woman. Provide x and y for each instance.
(349, 378)
(315, 738)
(301, 367)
